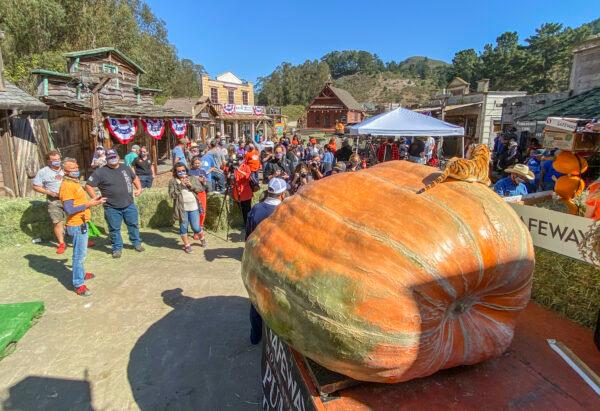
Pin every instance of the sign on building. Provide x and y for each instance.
(554, 231)
(560, 124)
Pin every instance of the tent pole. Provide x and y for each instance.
(462, 146)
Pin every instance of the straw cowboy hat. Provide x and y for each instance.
(522, 170)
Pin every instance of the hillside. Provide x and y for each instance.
(387, 87)
(420, 60)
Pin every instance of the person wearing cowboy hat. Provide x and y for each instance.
(515, 183)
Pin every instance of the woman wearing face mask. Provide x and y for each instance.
(277, 166)
(99, 159)
(142, 165)
(186, 208)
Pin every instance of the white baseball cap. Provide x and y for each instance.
(268, 144)
(277, 186)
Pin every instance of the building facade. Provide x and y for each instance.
(227, 88)
(333, 104)
(585, 71)
(99, 85)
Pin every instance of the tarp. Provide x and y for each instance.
(403, 122)
(15, 320)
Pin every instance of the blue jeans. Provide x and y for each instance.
(146, 181)
(80, 242)
(191, 218)
(114, 218)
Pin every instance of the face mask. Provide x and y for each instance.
(519, 180)
(279, 155)
(143, 155)
(74, 174)
(303, 175)
(113, 161)
(181, 173)
(55, 163)
(354, 163)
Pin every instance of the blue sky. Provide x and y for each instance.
(250, 38)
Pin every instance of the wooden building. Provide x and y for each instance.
(234, 120)
(331, 105)
(227, 88)
(98, 85)
(24, 138)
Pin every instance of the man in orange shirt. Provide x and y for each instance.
(77, 208)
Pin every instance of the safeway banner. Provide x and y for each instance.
(554, 231)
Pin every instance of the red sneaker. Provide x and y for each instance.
(91, 243)
(196, 237)
(83, 291)
(89, 276)
(61, 248)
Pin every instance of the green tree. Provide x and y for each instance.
(467, 65)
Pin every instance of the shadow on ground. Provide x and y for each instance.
(197, 357)
(51, 267)
(212, 254)
(46, 393)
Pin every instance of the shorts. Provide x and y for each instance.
(56, 212)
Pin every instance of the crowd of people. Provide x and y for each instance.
(238, 168)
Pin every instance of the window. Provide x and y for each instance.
(317, 119)
(111, 68)
(245, 98)
(230, 97)
(214, 95)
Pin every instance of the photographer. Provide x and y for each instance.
(302, 177)
(186, 208)
(314, 167)
(241, 190)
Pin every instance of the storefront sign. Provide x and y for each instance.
(554, 231)
(560, 124)
(283, 386)
(558, 139)
(243, 109)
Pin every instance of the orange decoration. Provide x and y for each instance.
(568, 162)
(369, 279)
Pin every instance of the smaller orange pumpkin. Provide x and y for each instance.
(568, 162)
(569, 187)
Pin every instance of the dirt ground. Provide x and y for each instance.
(163, 329)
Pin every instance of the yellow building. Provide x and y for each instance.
(227, 88)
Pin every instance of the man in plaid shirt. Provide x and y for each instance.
(388, 151)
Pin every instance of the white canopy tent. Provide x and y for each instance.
(406, 123)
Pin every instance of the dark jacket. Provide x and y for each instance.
(344, 153)
(175, 193)
(274, 165)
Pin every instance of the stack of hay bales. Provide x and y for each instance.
(23, 219)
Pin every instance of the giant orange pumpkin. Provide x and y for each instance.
(373, 281)
(567, 162)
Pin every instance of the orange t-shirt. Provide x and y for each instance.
(594, 191)
(252, 158)
(72, 190)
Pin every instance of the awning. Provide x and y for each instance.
(118, 108)
(462, 109)
(403, 122)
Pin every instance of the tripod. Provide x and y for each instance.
(229, 179)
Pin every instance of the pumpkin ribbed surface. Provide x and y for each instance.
(373, 281)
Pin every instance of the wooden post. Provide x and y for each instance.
(462, 146)
(96, 113)
(154, 150)
(2, 86)
(236, 129)
(222, 127)
(252, 130)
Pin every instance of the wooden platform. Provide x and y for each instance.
(528, 376)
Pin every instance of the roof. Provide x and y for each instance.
(403, 122)
(119, 108)
(102, 50)
(184, 104)
(458, 80)
(346, 98)
(153, 90)
(13, 98)
(52, 73)
(582, 106)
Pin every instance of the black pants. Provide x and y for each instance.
(256, 323)
(245, 206)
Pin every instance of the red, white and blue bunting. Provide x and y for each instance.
(229, 109)
(259, 111)
(123, 129)
(155, 128)
(179, 127)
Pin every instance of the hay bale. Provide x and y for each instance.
(567, 286)
(22, 220)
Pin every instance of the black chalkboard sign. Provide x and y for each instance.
(283, 386)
